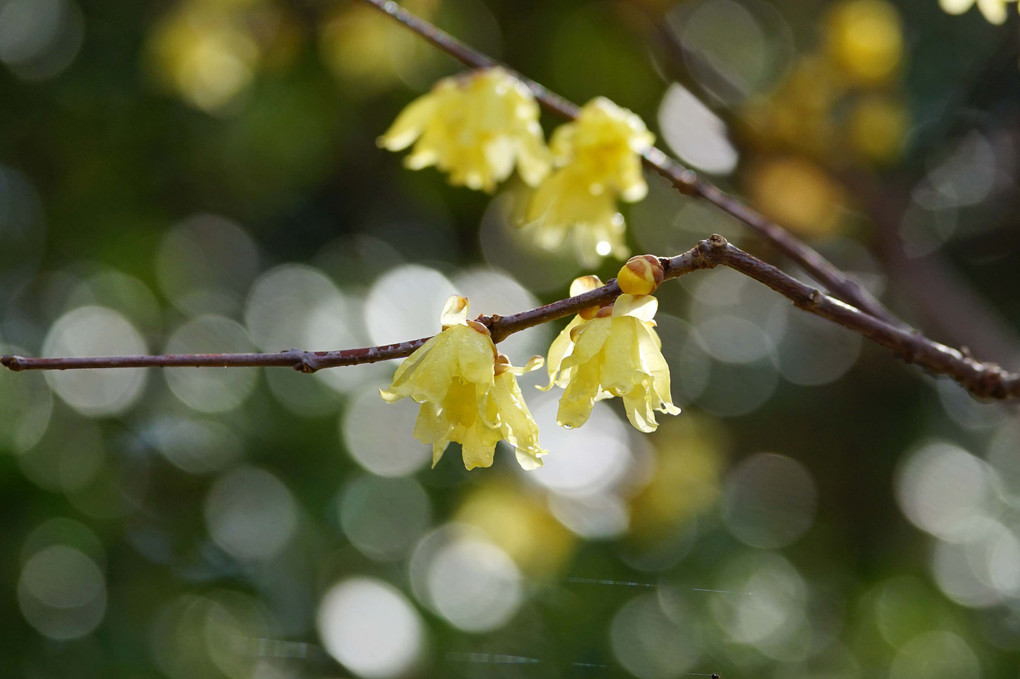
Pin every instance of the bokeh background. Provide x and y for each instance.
(201, 175)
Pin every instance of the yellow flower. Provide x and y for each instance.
(994, 10)
(617, 353)
(607, 141)
(564, 205)
(468, 393)
(476, 127)
(598, 157)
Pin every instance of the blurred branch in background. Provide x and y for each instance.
(835, 120)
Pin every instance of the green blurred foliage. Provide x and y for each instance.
(154, 183)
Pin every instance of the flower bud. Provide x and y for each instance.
(641, 275)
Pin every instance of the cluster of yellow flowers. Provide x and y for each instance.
(468, 391)
(478, 126)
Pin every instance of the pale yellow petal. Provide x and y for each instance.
(478, 445)
(589, 339)
(558, 350)
(533, 364)
(579, 396)
(621, 367)
(584, 284)
(403, 383)
(528, 462)
(639, 410)
(410, 123)
(476, 355)
(641, 307)
(432, 429)
(455, 310)
(518, 426)
(654, 364)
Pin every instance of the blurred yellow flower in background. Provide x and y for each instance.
(877, 129)
(520, 523)
(797, 193)
(468, 393)
(476, 127)
(368, 53)
(598, 157)
(690, 457)
(617, 353)
(865, 39)
(204, 52)
(993, 10)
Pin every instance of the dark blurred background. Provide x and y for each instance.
(202, 175)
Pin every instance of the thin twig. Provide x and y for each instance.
(682, 178)
(985, 380)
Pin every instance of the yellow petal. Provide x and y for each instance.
(642, 307)
(533, 364)
(410, 123)
(455, 310)
(654, 365)
(584, 284)
(639, 411)
(518, 427)
(579, 396)
(476, 354)
(589, 340)
(621, 367)
(478, 445)
(407, 370)
(432, 428)
(558, 350)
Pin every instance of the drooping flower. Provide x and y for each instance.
(616, 353)
(476, 127)
(993, 10)
(468, 393)
(598, 157)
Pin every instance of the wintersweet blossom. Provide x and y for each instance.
(468, 393)
(598, 157)
(616, 353)
(993, 10)
(476, 127)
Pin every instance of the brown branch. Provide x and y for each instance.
(682, 178)
(985, 380)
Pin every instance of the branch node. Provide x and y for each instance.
(991, 383)
(11, 362)
(815, 298)
(304, 362)
(689, 178)
(715, 241)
